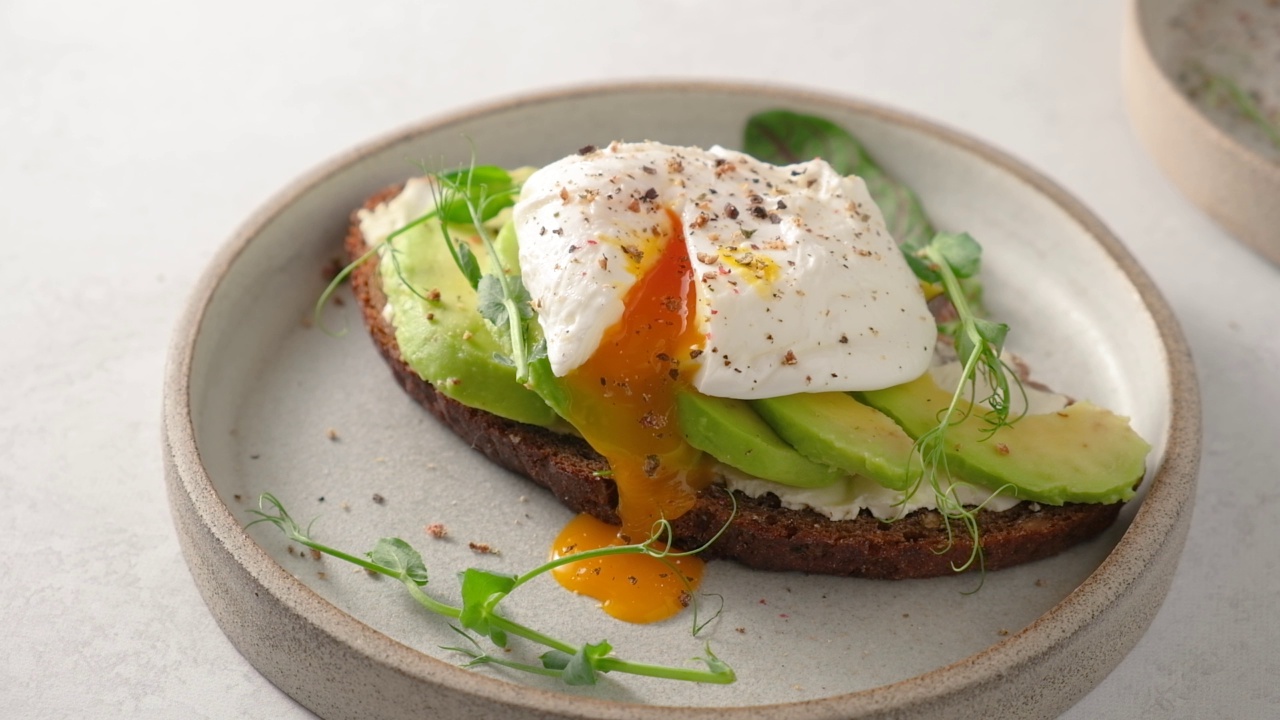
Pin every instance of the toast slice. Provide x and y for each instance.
(762, 533)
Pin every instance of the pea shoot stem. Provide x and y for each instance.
(664, 671)
(955, 293)
(412, 574)
(515, 320)
(427, 601)
(979, 346)
(376, 249)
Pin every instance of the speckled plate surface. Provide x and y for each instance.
(1182, 59)
(258, 401)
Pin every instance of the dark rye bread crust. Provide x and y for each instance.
(762, 534)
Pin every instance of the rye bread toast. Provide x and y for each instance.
(761, 534)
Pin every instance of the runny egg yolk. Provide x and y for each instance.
(634, 588)
(622, 400)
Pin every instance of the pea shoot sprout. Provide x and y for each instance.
(483, 590)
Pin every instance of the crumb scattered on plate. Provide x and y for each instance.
(482, 548)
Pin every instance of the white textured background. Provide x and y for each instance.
(135, 136)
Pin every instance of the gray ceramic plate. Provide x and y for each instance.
(252, 394)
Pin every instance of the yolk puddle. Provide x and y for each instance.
(623, 402)
(634, 588)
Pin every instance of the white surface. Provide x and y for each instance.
(134, 138)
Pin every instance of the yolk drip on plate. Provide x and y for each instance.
(623, 402)
(635, 588)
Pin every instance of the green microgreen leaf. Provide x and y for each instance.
(783, 137)
(555, 659)
(491, 304)
(399, 556)
(903, 213)
(539, 351)
(960, 251)
(271, 510)
(993, 332)
(487, 188)
(715, 664)
(922, 269)
(581, 667)
(467, 263)
(478, 586)
(494, 305)
(481, 591)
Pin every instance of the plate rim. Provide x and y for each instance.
(1162, 518)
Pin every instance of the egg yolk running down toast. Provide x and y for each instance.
(622, 399)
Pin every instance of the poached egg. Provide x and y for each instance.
(798, 286)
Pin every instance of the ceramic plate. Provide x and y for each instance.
(1184, 62)
(257, 400)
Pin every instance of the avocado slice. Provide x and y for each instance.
(834, 429)
(731, 432)
(1082, 453)
(441, 334)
